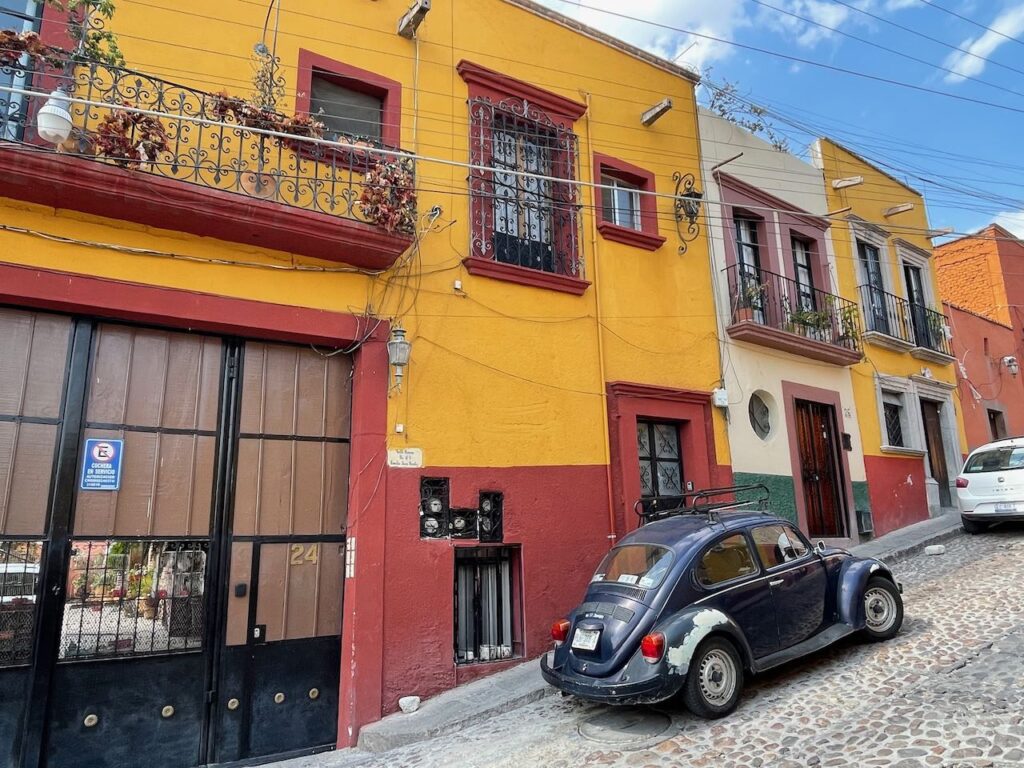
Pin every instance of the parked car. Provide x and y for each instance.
(990, 488)
(699, 595)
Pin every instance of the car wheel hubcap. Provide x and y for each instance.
(717, 677)
(879, 609)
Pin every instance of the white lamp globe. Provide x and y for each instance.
(53, 121)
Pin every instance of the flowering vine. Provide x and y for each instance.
(389, 196)
(13, 45)
(130, 139)
(249, 115)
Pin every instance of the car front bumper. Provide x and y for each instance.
(649, 690)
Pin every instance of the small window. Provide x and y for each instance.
(892, 407)
(640, 565)
(621, 203)
(485, 603)
(728, 559)
(803, 270)
(747, 246)
(661, 463)
(777, 544)
(760, 416)
(996, 424)
(345, 111)
(995, 460)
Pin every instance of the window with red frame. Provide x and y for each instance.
(345, 111)
(524, 205)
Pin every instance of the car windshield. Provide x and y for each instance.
(641, 565)
(996, 460)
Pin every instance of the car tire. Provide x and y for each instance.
(715, 680)
(883, 609)
(972, 526)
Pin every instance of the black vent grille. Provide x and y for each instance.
(621, 589)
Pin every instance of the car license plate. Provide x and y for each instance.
(586, 639)
(1006, 507)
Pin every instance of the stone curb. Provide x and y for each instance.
(913, 549)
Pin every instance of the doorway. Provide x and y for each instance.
(932, 418)
(180, 500)
(821, 475)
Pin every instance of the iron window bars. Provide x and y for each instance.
(520, 219)
(894, 316)
(485, 628)
(133, 598)
(310, 176)
(20, 563)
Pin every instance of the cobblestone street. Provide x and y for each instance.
(947, 691)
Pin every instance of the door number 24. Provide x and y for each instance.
(301, 553)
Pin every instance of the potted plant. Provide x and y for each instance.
(389, 196)
(751, 299)
(849, 324)
(131, 139)
(150, 604)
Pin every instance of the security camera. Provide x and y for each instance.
(412, 19)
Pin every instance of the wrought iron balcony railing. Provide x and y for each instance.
(207, 139)
(775, 301)
(898, 318)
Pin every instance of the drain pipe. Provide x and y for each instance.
(600, 342)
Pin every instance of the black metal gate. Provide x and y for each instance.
(172, 514)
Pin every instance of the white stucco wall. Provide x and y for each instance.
(749, 368)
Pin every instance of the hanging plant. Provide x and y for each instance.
(389, 196)
(13, 45)
(130, 139)
(249, 115)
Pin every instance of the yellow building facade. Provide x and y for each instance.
(911, 428)
(286, 537)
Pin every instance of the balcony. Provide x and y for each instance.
(895, 323)
(775, 311)
(199, 167)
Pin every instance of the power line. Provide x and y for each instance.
(978, 24)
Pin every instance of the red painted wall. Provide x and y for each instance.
(896, 490)
(988, 383)
(558, 516)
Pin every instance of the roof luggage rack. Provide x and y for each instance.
(699, 503)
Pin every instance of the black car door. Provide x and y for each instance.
(728, 571)
(797, 580)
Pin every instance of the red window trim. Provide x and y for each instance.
(389, 91)
(484, 83)
(647, 236)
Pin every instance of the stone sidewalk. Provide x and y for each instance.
(475, 702)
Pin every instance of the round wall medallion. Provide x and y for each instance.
(279, 698)
(232, 704)
(167, 711)
(90, 721)
(314, 693)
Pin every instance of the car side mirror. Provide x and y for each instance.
(819, 547)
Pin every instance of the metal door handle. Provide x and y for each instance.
(775, 582)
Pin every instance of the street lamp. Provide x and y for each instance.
(53, 121)
(399, 349)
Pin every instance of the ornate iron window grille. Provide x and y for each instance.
(305, 175)
(519, 218)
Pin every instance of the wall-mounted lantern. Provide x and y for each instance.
(1011, 365)
(53, 120)
(687, 209)
(399, 349)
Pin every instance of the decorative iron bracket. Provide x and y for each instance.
(686, 209)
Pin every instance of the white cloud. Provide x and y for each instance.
(1012, 221)
(1009, 23)
(720, 19)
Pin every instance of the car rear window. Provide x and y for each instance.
(639, 565)
(996, 460)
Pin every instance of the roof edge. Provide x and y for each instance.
(871, 165)
(610, 40)
(972, 313)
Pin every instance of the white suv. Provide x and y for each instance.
(990, 488)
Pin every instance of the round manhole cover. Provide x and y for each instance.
(627, 727)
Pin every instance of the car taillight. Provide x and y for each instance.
(961, 482)
(560, 631)
(652, 647)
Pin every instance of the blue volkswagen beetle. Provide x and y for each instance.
(706, 591)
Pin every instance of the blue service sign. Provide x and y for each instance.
(101, 468)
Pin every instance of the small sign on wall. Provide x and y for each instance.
(101, 466)
(406, 458)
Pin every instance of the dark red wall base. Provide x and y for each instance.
(557, 515)
(897, 491)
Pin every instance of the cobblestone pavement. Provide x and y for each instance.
(947, 691)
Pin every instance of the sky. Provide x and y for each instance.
(955, 135)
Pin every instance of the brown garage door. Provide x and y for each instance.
(172, 517)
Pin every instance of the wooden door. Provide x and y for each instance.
(820, 472)
(936, 450)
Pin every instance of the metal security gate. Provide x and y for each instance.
(172, 509)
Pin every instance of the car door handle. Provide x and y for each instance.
(775, 582)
